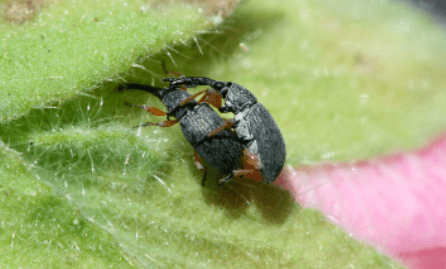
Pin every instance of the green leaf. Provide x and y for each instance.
(344, 80)
(42, 228)
(71, 46)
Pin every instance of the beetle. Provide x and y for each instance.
(252, 123)
(224, 151)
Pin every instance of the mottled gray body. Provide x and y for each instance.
(253, 123)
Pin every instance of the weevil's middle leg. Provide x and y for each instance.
(227, 124)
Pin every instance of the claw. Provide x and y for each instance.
(225, 179)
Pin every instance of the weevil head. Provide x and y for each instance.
(172, 97)
(236, 97)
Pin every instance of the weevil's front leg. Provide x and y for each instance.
(154, 111)
(157, 112)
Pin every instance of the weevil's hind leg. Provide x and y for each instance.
(253, 174)
(250, 160)
(227, 124)
(251, 168)
(167, 123)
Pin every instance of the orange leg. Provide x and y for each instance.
(253, 174)
(154, 111)
(250, 163)
(157, 112)
(228, 124)
(210, 96)
(250, 160)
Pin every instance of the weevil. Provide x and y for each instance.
(252, 123)
(224, 151)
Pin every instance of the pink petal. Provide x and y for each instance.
(396, 203)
